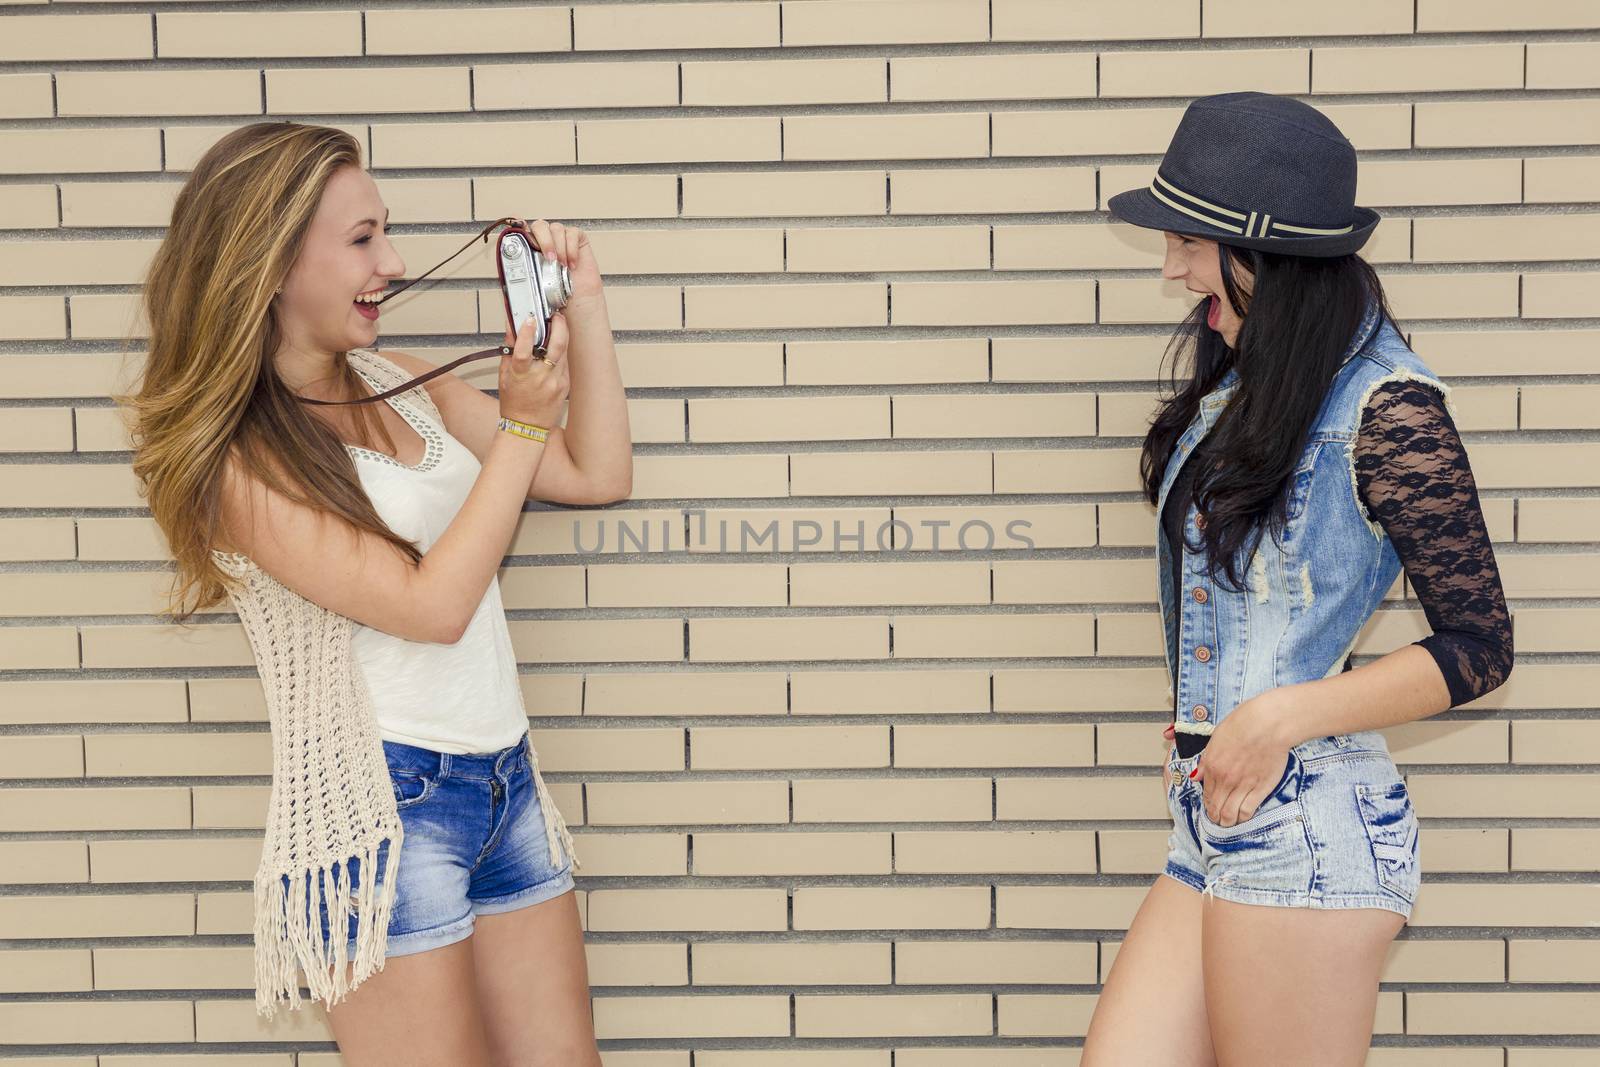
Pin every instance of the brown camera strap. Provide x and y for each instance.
(498, 350)
(501, 350)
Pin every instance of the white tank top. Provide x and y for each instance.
(460, 698)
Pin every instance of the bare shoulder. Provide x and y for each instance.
(239, 494)
(416, 366)
(460, 403)
(326, 559)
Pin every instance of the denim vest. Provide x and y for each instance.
(1307, 594)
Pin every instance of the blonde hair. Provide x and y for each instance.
(209, 388)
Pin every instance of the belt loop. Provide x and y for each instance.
(444, 765)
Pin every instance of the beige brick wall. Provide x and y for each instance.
(894, 804)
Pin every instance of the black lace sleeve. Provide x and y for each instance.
(1415, 481)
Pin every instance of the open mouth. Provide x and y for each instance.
(367, 309)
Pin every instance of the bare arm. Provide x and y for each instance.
(596, 441)
(362, 576)
(597, 418)
(596, 436)
(589, 460)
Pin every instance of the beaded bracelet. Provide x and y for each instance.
(524, 429)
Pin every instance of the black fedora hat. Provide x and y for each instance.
(1258, 171)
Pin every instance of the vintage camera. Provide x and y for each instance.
(535, 285)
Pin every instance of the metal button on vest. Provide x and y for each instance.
(1203, 654)
(1200, 713)
(1199, 595)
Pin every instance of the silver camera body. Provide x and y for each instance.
(535, 285)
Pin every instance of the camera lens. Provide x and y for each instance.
(557, 283)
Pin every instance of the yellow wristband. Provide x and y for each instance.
(524, 429)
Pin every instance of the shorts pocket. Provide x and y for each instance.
(1391, 824)
(1274, 809)
(410, 788)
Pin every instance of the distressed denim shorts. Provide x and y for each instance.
(474, 844)
(1338, 831)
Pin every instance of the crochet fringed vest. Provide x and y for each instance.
(331, 800)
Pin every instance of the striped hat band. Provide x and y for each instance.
(1244, 223)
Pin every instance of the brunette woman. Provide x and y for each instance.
(1306, 458)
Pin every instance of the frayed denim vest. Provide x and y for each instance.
(1307, 593)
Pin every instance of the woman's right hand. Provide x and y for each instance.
(533, 390)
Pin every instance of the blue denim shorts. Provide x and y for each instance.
(1338, 831)
(474, 844)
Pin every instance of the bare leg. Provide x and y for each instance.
(1300, 978)
(1153, 1007)
(418, 1011)
(533, 984)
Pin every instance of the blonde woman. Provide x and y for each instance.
(360, 545)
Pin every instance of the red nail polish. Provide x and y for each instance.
(1194, 772)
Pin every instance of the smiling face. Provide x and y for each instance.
(346, 253)
(1197, 263)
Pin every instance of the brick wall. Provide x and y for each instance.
(883, 805)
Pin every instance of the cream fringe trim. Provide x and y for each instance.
(284, 947)
(555, 827)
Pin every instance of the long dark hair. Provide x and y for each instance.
(1299, 317)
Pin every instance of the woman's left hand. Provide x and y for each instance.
(1245, 758)
(571, 247)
